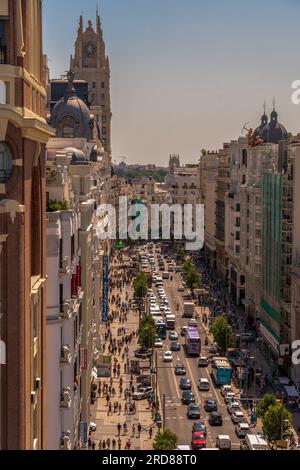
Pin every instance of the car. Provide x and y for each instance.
(180, 288)
(204, 385)
(175, 346)
(226, 389)
(185, 384)
(199, 426)
(143, 353)
(143, 393)
(180, 369)
(184, 330)
(168, 356)
(193, 322)
(233, 406)
(198, 441)
(173, 336)
(93, 427)
(210, 405)
(229, 397)
(193, 411)
(215, 419)
(202, 361)
(187, 397)
(242, 429)
(238, 417)
(158, 344)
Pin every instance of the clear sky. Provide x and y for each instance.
(186, 74)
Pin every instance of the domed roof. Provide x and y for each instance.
(261, 130)
(276, 131)
(71, 117)
(78, 157)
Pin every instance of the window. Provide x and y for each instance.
(102, 85)
(68, 132)
(94, 85)
(104, 119)
(244, 157)
(238, 222)
(3, 41)
(237, 249)
(258, 233)
(238, 208)
(6, 166)
(2, 92)
(237, 236)
(247, 260)
(103, 97)
(104, 130)
(61, 296)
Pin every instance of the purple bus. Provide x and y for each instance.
(193, 341)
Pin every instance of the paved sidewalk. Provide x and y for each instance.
(107, 424)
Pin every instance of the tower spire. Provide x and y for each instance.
(98, 21)
(80, 24)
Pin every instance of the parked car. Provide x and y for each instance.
(199, 426)
(185, 384)
(187, 397)
(168, 356)
(215, 419)
(204, 385)
(143, 393)
(198, 441)
(175, 346)
(210, 405)
(193, 411)
(242, 429)
(180, 369)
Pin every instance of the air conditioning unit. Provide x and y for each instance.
(67, 310)
(33, 398)
(66, 398)
(65, 355)
(65, 263)
(37, 383)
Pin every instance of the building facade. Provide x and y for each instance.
(23, 137)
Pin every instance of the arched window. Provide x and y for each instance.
(2, 92)
(6, 165)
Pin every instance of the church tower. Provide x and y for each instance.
(90, 63)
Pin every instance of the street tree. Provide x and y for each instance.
(140, 286)
(263, 406)
(165, 440)
(147, 332)
(191, 276)
(276, 422)
(223, 334)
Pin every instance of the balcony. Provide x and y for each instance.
(65, 355)
(67, 310)
(65, 399)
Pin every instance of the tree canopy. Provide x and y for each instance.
(191, 276)
(223, 334)
(165, 440)
(276, 422)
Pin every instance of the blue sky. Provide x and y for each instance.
(186, 75)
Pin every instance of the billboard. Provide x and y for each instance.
(105, 298)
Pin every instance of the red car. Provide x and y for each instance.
(198, 441)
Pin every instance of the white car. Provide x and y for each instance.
(229, 397)
(233, 406)
(238, 417)
(242, 429)
(173, 336)
(225, 389)
(168, 356)
(158, 344)
(180, 288)
(193, 322)
(204, 385)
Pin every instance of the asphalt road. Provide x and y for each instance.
(175, 412)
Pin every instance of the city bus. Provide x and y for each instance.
(221, 371)
(161, 329)
(193, 341)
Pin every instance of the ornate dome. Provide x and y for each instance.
(71, 117)
(276, 131)
(261, 131)
(78, 157)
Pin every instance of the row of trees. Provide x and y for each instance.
(275, 417)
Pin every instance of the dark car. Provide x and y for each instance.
(215, 419)
(187, 397)
(143, 353)
(193, 411)
(198, 441)
(180, 369)
(175, 346)
(199, 426)
(185, 384)
(210, 405)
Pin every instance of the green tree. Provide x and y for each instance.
(276, 422)
(147, 332)
(263, 406)
(165, 440)
(140, 286)
(191, 276)
(223, 334)
(180, 255)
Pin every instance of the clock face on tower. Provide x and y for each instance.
(90, 50)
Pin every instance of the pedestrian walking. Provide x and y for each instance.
(133, 430)
(125, 429)
(119, 429)
(139, 429)
(93, 445)
(119, 443)
(114, 443)
(108, 443)
(128, 445)
(103, 445)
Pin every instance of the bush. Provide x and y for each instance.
(165, 440)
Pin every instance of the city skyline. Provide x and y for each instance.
(187, 58)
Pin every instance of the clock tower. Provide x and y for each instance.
(90, 63)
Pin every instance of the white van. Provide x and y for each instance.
(223, 442)
(255, 442)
